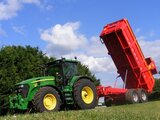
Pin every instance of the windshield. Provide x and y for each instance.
(52, 70)
(70, 69)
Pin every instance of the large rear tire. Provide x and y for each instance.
(132, 96)
(85, 95)
(143, 97)
(47, 99)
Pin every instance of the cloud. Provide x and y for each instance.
(48, 7)
(137, 30)
(19, 29)
(2, 31)
(95, 64)
(152, 33)
(151, 49)
(95, 48)
(141, 38)
(9, 8)
(37, 2)
(63, 38)
(67, 39)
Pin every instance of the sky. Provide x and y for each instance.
(69, 28)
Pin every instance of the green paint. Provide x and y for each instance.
(58, 72)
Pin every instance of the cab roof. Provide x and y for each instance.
(61, 61)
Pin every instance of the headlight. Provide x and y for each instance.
(21, 86)
(22, 89)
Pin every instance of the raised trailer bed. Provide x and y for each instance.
(135, 70)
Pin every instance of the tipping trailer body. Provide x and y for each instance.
(135, 70)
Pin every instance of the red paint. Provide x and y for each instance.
(127, 55)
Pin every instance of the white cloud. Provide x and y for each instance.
(9, 8)
(152, 33)
(2, 31)
(141, 38)
(151, 49)
(137, 30)
(95, 48)
(37, 2)
(19, 29)
(65, 38)
(95, 64)
(48, 7)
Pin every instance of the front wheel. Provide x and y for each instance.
(85, 95)
(47, 99)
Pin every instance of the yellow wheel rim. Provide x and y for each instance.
(49, 101)
(87, 95)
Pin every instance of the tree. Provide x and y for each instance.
(157, 85)
(18, 63)
(156, 90)
(84, 70)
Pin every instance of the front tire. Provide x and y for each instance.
(47, 99)
(85, 95)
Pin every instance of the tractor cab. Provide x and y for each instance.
(62, 69)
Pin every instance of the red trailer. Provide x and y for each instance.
(135, 70)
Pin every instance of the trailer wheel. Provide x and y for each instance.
(47, 99)
(142, 95)
(132, 96)
(85, 95)
(108, 101)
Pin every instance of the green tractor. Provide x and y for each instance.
(61, 88)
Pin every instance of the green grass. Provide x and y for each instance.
(145, 111)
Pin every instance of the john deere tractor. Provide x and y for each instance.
(61, 87)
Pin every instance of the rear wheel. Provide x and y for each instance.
(47, 99)
(85, 95)
(132, 96)
(142, 95)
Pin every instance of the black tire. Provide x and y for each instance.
(132, 96)
(108, 101)
(88, 88)
(143, 97)
(40, 103)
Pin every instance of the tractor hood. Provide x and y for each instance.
(37, 79)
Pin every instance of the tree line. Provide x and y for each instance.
(18, 63)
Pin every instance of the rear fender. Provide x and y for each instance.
(77, 78)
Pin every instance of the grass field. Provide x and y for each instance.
(145, 111)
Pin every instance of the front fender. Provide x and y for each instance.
(35, 87)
